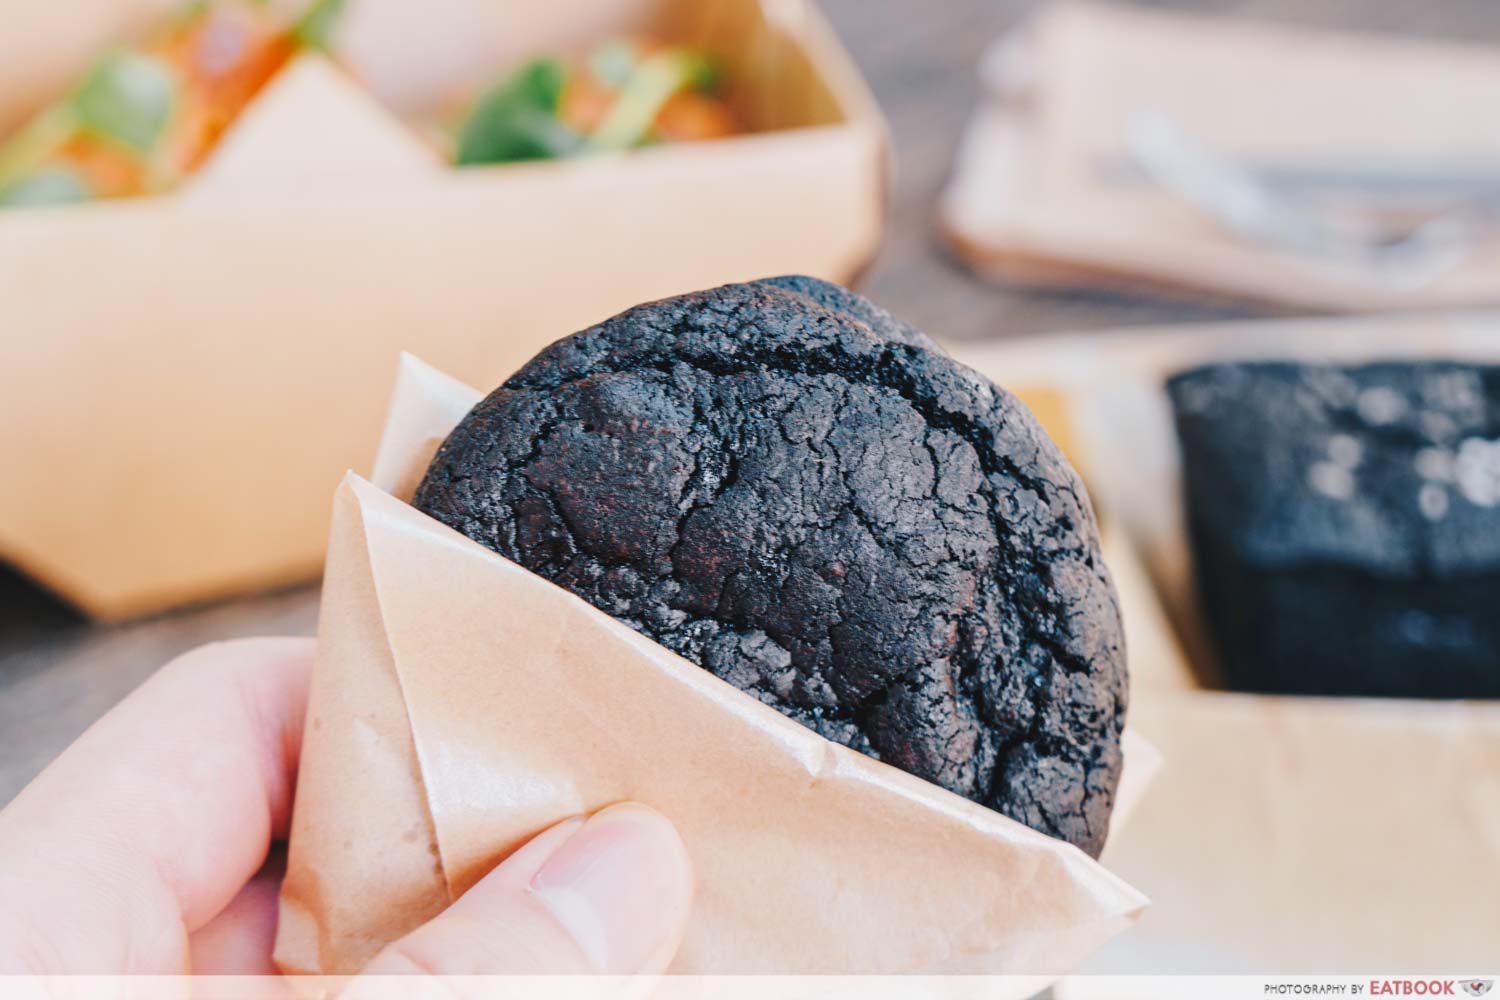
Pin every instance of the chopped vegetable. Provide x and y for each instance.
(141, 119)
(653, 82)
(127, 98)
(612, 63)
(315, 28)
(626, 94)
(518, 120)
(46, 187)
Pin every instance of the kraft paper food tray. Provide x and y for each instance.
(1045, 189)
(1285, 834)
(184, 378)
(460, 704)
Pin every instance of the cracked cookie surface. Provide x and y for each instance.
(801, 494)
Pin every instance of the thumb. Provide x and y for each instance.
(607, 894)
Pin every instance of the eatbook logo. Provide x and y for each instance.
(1477, 987)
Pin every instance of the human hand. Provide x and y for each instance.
(149, 847)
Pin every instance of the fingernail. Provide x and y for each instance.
(620, 887)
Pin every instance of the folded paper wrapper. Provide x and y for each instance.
(1286, 834)
(460, 704)
(1043, 191)
(163, 353)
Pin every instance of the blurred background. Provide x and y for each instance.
(923, 71)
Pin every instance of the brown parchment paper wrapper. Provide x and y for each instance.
(1286, 834)
(461, 704)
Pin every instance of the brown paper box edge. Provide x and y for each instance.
(84, 553)
(1286, 834)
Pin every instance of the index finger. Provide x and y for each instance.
(146, 827)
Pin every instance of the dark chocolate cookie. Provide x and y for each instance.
(803, 495)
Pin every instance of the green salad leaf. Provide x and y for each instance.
(46, 187)
(315, 28)
(517, 120)
(28, 149)
(128, 98)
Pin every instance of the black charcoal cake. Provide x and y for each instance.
(806, 497)
(1345, 523)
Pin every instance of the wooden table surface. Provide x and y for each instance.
(58, 674)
